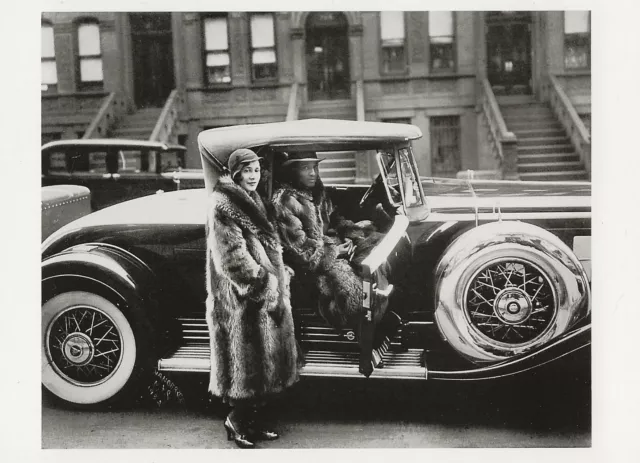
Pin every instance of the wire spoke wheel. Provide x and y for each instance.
(89, 349)
(84, 345)
(510, 301)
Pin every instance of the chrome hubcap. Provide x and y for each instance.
(512, 306)
(84, 345)
(78, 348)
(510, 301)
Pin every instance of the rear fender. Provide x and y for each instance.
(110, 271)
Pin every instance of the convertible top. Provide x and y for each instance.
(217, 144)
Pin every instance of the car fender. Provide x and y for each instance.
(111, 271)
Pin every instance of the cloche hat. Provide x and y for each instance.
(239, 158)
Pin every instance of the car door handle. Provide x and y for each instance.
(383, 293)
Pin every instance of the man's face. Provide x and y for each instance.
(307, 173)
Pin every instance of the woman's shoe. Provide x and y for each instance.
(264, 434)
(258, 431)
(241, 439)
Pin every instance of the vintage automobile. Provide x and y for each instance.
(116, 170)
(489, 278)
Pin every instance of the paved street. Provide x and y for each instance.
(320, 413)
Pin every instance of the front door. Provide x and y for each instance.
(509, 51)
(152, 58)
(327, 52)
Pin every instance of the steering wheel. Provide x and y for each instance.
(370, 190)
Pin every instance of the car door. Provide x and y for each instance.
(384, 269)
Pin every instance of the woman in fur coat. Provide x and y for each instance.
(302, 212)
(253, 347)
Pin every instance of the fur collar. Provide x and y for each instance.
(286, 189)
(245, 207)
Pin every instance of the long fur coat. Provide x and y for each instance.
(314, 256)
(253, 346)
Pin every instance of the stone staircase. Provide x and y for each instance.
(137, 125)
(545, 151)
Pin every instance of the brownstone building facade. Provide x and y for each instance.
(494, 91)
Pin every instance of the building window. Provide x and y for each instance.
(441, 41)
(577, 39)
(48, 72)
(445, 146)
(89, 56)
(263, 47)
(392, 41)
(216, 40)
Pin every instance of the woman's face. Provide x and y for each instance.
(307, 174)
(249, 176)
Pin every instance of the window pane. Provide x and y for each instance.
(91, 70)
(576, 51)
(445, 146)
(58, 162)
(215, 34)
(265, 71)
(49, 73)
(218, 59)
(393, 59)
(129, 161)
(264, 57)
(441, 56)
(218, 71)
(262, 31)
(392, 25)
(46, 44)
(440, 23)
(89, 39)
(576, 22)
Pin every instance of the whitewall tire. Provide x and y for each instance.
(88, 348)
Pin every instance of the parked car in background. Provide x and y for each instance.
(490, 278)
(116, 170)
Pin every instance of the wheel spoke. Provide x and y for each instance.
(510, 301)
(73, 341)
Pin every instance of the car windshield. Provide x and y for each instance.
(407, 186)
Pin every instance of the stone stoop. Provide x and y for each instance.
(545, 151)
(138, 125)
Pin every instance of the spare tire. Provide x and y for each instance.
(505, 288)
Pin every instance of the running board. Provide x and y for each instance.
(408, 364)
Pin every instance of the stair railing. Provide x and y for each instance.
(165, 128)
(294, 102)
(104, 118)
(569, 118)
(503, 143)
(360, 100)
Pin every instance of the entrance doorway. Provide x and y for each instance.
(327, 51)
(153, 75)
(509, 52)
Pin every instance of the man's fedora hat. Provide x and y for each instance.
(301, 156)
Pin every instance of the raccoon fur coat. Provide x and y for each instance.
(253, 347)
(313, 254)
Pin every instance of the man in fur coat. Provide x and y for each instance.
(302, 214)
(253, 347)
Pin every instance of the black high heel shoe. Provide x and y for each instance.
(241, 440)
